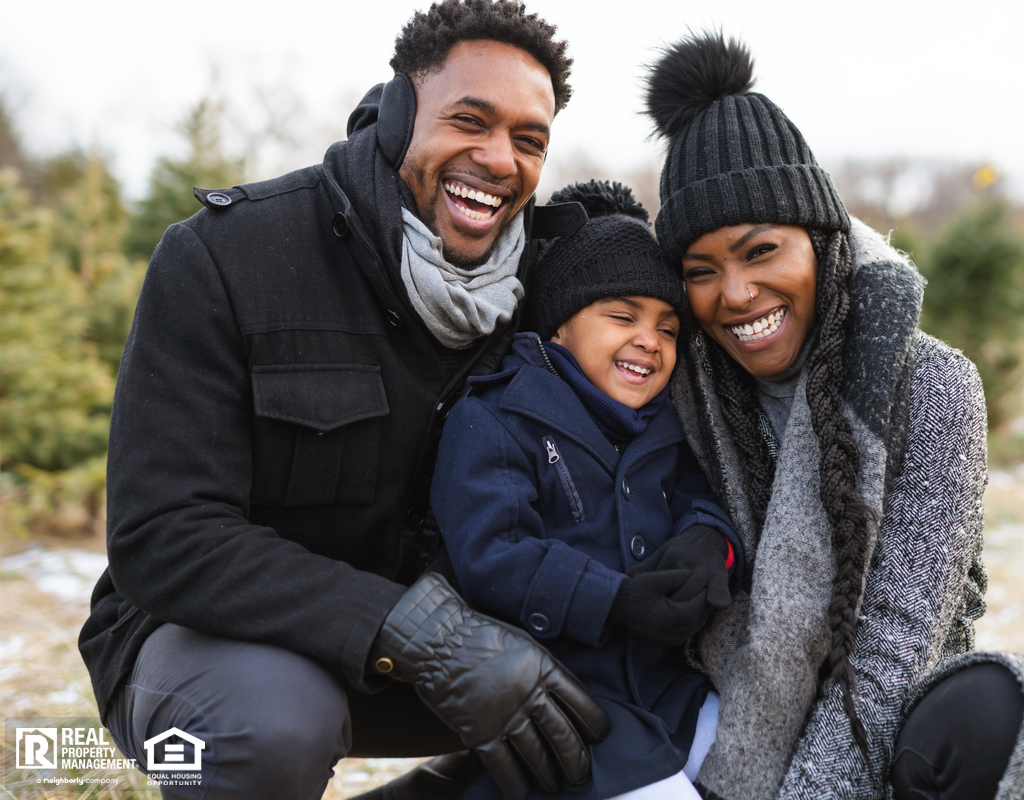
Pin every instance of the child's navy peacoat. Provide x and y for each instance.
(543, 516)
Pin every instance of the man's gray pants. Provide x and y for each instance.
(272, 723)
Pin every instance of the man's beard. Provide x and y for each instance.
(430, 220)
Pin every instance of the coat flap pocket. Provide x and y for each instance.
(319, 396)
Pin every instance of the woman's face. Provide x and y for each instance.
(751, 288)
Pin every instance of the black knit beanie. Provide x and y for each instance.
(733, 156)
(613, 255)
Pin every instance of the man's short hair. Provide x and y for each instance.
(423, 45)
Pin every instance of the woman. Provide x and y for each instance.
(849, 449)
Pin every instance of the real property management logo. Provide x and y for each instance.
(67, 748)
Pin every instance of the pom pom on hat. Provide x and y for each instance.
(692, 75)
(601, 198)
(733, 156)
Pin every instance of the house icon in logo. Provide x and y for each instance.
(173, 759)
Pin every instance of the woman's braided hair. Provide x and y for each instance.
(847, 512)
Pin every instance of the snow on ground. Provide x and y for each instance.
(68, 575)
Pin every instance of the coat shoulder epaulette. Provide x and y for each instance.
(219, 199)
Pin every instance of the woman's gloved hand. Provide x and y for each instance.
(525, 715)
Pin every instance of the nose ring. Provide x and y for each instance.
(751, 300)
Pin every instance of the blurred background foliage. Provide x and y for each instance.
(73, 253)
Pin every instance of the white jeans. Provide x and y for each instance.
(680, 786)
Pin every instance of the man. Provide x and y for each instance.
(295, 349)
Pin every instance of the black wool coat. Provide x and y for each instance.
(273, 431)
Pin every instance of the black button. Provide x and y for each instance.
(341, 229)
(624, 486)
(218, 199)
(638, 547)
(394, 318)
(539, 623)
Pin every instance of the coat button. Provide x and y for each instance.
(340, 225)
(394, 318)
(218, 199)
(624, 486)
(638, 547)
(539, 623)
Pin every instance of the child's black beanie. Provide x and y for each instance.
(613, 255)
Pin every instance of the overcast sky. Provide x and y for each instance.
(871, 79)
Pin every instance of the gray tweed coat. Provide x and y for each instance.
(918, 415)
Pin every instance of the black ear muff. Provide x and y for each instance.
(395, 119)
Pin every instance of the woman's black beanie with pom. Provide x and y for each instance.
(613, 255)
(733, 156)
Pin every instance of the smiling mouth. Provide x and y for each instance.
(759, 328)
(642, 371)
(473, 203)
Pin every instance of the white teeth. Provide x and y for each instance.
(637, 369)
(458, 190)
(758, 329)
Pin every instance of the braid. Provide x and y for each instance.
(846, 510)
(741, 410)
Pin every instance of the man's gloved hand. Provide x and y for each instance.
(666, 597)
(508, 699)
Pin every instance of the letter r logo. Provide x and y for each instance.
(36, 748)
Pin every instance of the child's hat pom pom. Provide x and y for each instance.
(602, 199)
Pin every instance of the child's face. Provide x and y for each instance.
(626, 346)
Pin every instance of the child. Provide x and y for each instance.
(570, 504)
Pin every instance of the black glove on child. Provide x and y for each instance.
(504, 695)
(666, 598)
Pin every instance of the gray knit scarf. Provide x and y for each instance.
(459, 305)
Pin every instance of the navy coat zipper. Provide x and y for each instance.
(573, 496)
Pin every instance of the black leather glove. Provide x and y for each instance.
(666, 597)
(506, 697)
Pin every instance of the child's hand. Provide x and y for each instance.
(667, 597)
(698, 545)
(666, 606)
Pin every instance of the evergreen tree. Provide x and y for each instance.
(169, 198)
(55, 392)
(89, 236)
(975, 300)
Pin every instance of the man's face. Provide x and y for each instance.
(482, 128)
